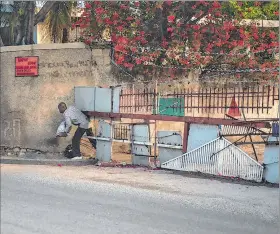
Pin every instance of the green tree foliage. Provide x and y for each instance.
(19, 18)
(18, 21)
(254, 9)
(58, 21)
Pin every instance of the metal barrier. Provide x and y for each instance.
(218, 157)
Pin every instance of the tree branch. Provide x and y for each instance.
(41, 15)
(30, 27)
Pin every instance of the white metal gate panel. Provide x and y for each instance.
(218, 157)
(140, 144)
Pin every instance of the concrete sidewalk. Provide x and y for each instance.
(35, 157)
(51, 162)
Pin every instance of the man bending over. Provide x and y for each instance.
(74, 116)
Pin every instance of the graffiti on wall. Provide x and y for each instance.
(11, 131)
(66, 64)
(66, 69)
(67, 74)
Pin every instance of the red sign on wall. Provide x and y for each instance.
(27, 66)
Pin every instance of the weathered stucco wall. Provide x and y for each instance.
(29, 116)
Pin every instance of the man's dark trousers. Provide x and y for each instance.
(76, 141)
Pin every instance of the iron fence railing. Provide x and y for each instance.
(259, 99)
(121, 132)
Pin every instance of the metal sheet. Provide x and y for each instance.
(271, 154)
(166, 140)
(271, 173)
(271, 161)
(103, 99)
(96, 99)
(103, 150)
(201, 134)
(84, 98)
(141, 133)
(104, 129)
(172, 106)
(116, 99)
(140, 155)
(165, 154)
(169, 137)
(103, 142)
(140, 152)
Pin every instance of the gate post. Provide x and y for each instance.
(186, 136)
(104, 142)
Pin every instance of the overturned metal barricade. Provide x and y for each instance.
(218, 157)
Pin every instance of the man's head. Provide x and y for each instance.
(62, 107)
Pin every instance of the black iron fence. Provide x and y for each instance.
(121, 132)
(259, 99)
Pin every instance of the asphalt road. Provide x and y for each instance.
(32, 203)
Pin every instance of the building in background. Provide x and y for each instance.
(74, 33)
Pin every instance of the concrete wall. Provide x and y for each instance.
(29, 116)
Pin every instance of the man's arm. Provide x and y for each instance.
(68, 124)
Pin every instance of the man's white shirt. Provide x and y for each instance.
(74, 116)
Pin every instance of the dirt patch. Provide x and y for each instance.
(248, 147)
(135, 185)
(121, 152)
(87, 149)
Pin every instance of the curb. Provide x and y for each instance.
(121, 165)
(50, 162)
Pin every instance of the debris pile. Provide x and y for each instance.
(26, 153)
(114, 163)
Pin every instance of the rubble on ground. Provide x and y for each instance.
(27, 153)
(114, 163)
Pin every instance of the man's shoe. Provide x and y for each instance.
(77, 158)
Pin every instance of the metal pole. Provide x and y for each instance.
(133, 99)
(233, 143)
(186, 136)
(255, 153)
(156, 111)
(132, 142)
(111, 120)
